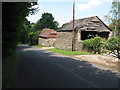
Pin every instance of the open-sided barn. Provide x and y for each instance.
(85, 28)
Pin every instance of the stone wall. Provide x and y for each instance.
(79, 46)
(47, 41)
(64, 40)
(78, 42)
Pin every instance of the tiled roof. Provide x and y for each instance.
(50, 33)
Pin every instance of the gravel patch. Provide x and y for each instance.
(104, 61)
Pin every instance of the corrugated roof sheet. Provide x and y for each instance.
(50, 33)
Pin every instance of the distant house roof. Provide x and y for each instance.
(50, 33)
(87, 24)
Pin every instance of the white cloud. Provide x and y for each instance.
(89, 5)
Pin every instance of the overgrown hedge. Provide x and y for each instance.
(97, 44)
(93, 44)
(113, 45)
(13, 16)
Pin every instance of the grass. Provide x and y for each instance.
(68, 52)
(39, 46)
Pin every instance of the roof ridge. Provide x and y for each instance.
(47, 33)
(80, 23)
(81, 18)
(86, 17)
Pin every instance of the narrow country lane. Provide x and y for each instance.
(39, 68)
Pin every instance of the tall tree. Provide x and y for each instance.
(24, 31)
(46, 21)
(13, 16)
(114, 15)
(113, 24)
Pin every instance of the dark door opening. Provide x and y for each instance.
(91, 34)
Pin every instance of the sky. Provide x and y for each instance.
(62, 9)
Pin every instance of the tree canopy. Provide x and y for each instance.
(114, 15)
(24, 31)
(112, 26)
(13, 24)
(13, 17)
(46, 21)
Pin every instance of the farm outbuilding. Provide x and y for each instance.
(47, 38)
(85, 28)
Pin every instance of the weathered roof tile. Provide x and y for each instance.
(50, 33)
(90, 22)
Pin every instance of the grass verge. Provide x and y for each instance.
(68, 52)
(39, 46)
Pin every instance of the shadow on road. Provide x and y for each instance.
(102, 78)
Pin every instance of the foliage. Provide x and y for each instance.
(9, 70)
(63, 25)
(114, 12)
(112, 26)
(113, 44)
(24, 38)
(113, 15)
(13, 16)
(24, 32)
(33, 36)
(67, 52)
(93, 44)
(46, 21)
(44, 29)
(97, 44)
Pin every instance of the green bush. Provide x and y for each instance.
(93, 44)
(33, 37)
(97, 44)
(113, 45)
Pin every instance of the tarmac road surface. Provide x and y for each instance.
(39, 68)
